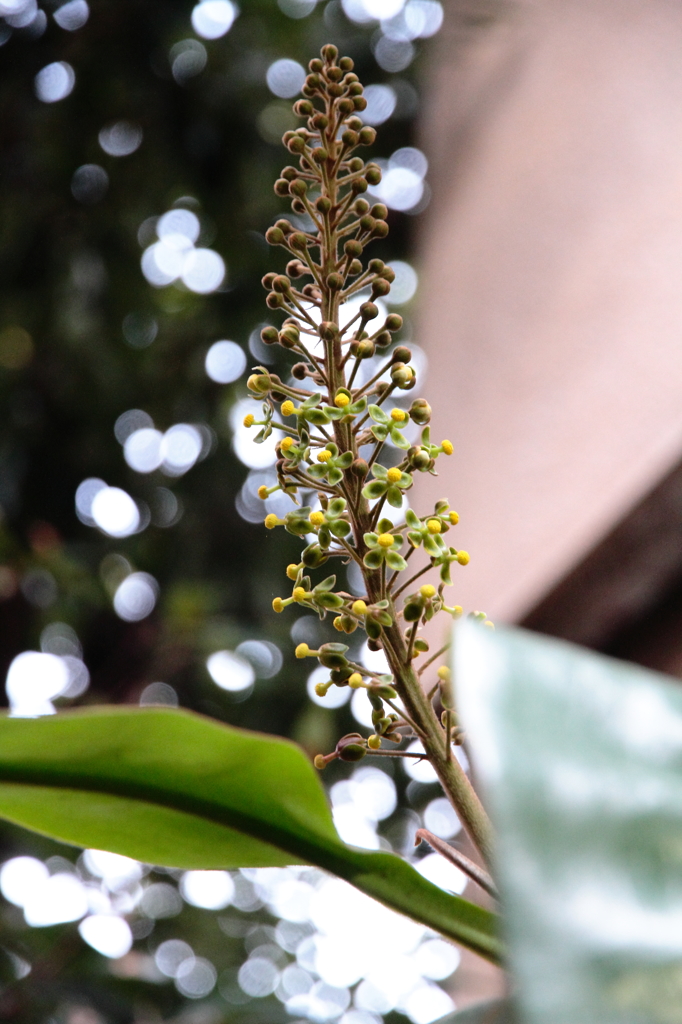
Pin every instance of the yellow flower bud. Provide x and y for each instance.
(374, 742)
(398, 415)
(393, 475)
(489, 624)
(320, 762)
(341, 400)
(249, 419)
(443, 673)
(302, 651)
(262, 492)
(447, 447)
(287, 443)
(463, 557)
(259, 383)
(359, 608)
(271, 521)
(278, 605)
(324, 456)
(454, 518)
(292, 571)
(321, 689)
(428, 590)
(316, 518)
(355, 681)
(288, 408)
(433, 525)
(385, 540)
(338, 623)
(458, 611)
(298, 595)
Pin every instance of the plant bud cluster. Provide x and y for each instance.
(332, 438)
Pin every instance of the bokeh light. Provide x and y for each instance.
(72, 15)
(108, 934)
(120, 138)
(230, 671)
(225, 362)
(212, 890)
(381, 102)
(212, 19)
(285, 78)
(54, 82)
(33, 681)
(135, 597)
(115, 512)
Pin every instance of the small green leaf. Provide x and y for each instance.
(374, 558)
(394, 496)
(378, 414)
(335, 475)
(374, 489)
(395, 561)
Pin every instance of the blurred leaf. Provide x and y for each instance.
(581, 757)
(173, 788)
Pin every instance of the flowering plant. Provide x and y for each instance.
(339, 438)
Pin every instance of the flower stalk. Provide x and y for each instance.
(341, 438)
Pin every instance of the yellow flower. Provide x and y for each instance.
(385, 540)
(271, 521)
(338, 623)
(398, 415)
(262, 492)
(359, 608)
(288, 408)
(463, 557)
(447, 447)
(324, 456)
(374, 742)
(278, 605)
(454, 518)
(355, 681)
(433, 525)
(249, 420)
(341, 400)
(427, 590)
(443, 673)
(302, 651)
(298, 595)
(393, 475)
(316, 518)
(319, 762)
(292, 571)
(287, 443)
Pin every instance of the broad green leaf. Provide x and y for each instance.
(499, 1012)
(175, 788)
(581, 760)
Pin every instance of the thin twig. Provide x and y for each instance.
(474, 872)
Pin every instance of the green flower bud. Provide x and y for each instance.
(323, 204)
(334, 74)
(420, 411)
(349, 138)
(380, 288)
(401, 354)
(297, 240)
(274, 236)
(393, 322)
(365, 350)
(376, 266)
(269, 335)
(281, 187)
(320, 155)
(351, 752)
(355, 123)
(297, 187)
(389, 275)
(360, 103)
(274, 300)
(381, 229)
(334, 281)
(313, 81)
(355, 268)
(355, 89)
(267, 281)
(329, 53)
(332, 655)
(353, 248)
(383, 339)
(359, 468)
(328, 330)
(303, 108)
(373, 174)
(281, 284)
(296, 144)
(367, 135)
(380, 211)
(419, 459)
(402, 375)
(315, 65)
(345, 106)
(299, 371)
(295, 268)
(356, 164)
(335, 89)
(369, 311)
(368, 223)
(361, 206)
(359, 185)
(346, 64)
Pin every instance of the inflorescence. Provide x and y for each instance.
(323, 430)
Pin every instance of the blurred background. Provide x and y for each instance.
(533, 173)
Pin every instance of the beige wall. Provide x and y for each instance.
(551, 281)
